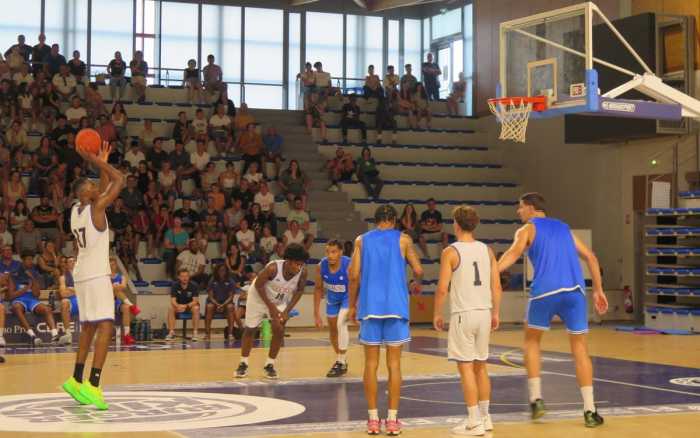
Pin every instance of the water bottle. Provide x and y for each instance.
(163, 331)
(52, 301)
(167, 78)
(266, 333)
(149, 335)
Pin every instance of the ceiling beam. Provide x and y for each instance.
(300, 2)
(383, 5)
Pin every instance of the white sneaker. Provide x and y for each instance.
(170, 337)
(66, 339)
(488, 424)
(466, 430)
(333, 188)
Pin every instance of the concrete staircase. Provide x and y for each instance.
(334, 211)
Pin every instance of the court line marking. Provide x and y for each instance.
(505, 360)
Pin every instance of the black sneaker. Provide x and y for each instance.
(242, 370)
(226, 333)
(2, 359)
(270, 372)
(592, 419)
(537, 409)
(56, 339)
(34, 341)
(338, 369)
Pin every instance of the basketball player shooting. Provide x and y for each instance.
(558, 288)
(92, 273)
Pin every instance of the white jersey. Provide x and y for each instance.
(279, 291)
(470, 288)
(93, 245)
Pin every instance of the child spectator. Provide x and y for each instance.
(191, 80)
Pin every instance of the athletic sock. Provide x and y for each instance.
(78, 372)
(127, 330)
(373, 414)
(341, 358)
(474, 415)
(128, 302)
(269, 361)
(244, 360)
(95, 375)
(31, 333)
(484, 407)
(534, 386)
(587, 394)
(54, 332)
(392, 414)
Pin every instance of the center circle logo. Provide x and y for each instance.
(140, 411)
(687, 381)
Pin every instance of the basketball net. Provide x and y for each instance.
(513, 116)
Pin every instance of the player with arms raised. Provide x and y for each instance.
(92, 273)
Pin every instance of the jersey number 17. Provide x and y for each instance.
(80, 237)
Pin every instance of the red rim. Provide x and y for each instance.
(539, 103)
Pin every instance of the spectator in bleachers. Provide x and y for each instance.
(322, 81)
(48, 265)
(77, 68)
(212, 230)
(208, 178)
(254, 176)
(294, 234)
(431, 227)
(459, 90)
(266, 200)
(64, 83)
(350, 118)
(134, 155)
(373, 85)
(167, 179)
(24, 49)
(133, 198)
(59, 134)
(408, 222)
(200, 158)
(279, 252)
(235, 262)
(116, 69)
(298, 214)
(18, 216)
(23, 76)
(422, 104)
(227, 103)
(94, 101)
(229, 179)
(368, 174)
(160, 222)
(210, 212)
(120, 121)
(218, 197)
(142, 230)
(233, 215)
(220, 126)
(8, 99)
(294, 183)
(75, 112)
(268, 242)
(15, 60)
(14, 190)
(182, 130)
(191, 80)
(246, 239)
(5, 72)
(194, 261)
(144, 176)
(340, 168)
(391, 81)
(8, 265)
(180, 162)
(184, 296)
(54, 61)
(188, 217)
(222, 291)
(314, 116)
(242, 119)
(384, 117)
(273, 149)
(5, 235)
(139, 71)
(39, 54)
(45, 218)
(69, 301)
(123, 308)
(24, 297)
(213, 79)
(147, 136)
(156, 156)
(408, 81)
(250, 145)
(106, 128)
(431, 78)
(153, 196)
(307, 83)
(16, 136)
(200, 125)
(256, 220)
(174, 241)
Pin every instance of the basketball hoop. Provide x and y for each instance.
(513, 114)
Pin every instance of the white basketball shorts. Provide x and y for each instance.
(95, 299)
(469, 335)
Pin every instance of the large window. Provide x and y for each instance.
(411, 46)
(112, 24)
(393, 45)
(364, 45)
(178, 37)
(66, 25)
(221, 37)
(264, 51)
(469, 57)
(446, 24)
(145, 36)
(295, 67)
(324, 41)
(24, 19)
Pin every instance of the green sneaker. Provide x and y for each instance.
(93, 395)
(72, 387)
(537, 409)
(592, 419)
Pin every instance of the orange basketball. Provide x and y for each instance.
(88, 140)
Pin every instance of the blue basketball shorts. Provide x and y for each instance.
(384, 331)
(73, 300)
(28, 301)
(335, 302)
(117, 305)
(570, 306)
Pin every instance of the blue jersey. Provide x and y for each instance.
(116, 278)
(21, 277)
(335, 284)
(555, 259)
(383, 285)
(10, 268)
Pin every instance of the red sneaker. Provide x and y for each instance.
(373, 427)
(128, 340)
(134, 309)
(393, 427)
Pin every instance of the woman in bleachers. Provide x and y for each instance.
(229, 178)
(147, 136)
(268, 241)
(144, 176)
(235, 262)
(167, 179)
(293, 182)
(152, 196)
(192, 81)
(420, 98)
(18, 215)
(120, 121)
(256, 220)
(459, 89)
(408, 222)
(233, 216)
(182, 130)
